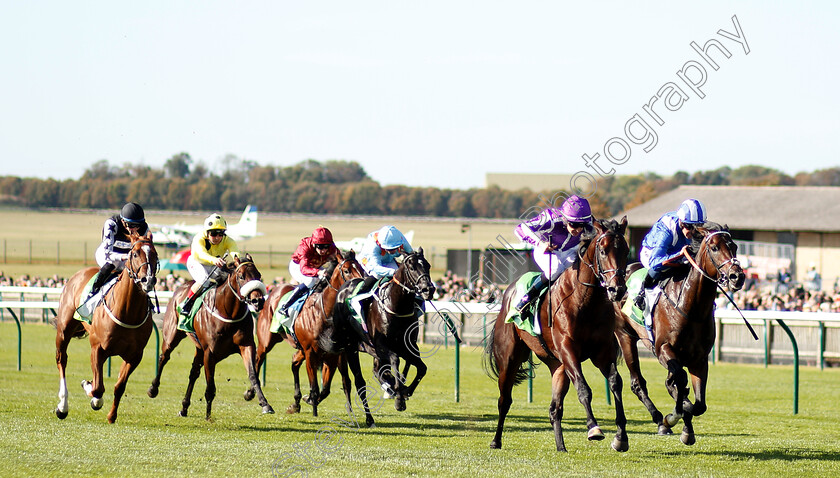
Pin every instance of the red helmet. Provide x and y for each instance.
(322, 235)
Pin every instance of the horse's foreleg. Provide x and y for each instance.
(584, 393)
(263, 348)
(125, 371)
(297, 361)
(312, 373)
(610, 371)
(96, 388)
(699, 375)
(195, 371)
(361, 387)
(247, 353)
(559, 388)
(327, 374)
(169, 344)
(210, 378)
(638, 384)
(417, 362)
(676, 382)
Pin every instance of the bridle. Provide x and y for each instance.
(413, 278)
(244, 289)
(604, 275)
(722, 276)
(150, 271)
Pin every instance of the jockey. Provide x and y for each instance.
(379, 252)
(664, 246)
(206, 253)
(555, 235)
(116, 242)
(312, 253)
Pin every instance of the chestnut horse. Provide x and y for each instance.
(583, 327)
(308, 327)
(391, 321)
(684, 327)
(224, 325)
(121, 324)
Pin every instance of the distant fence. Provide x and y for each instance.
(817, 333)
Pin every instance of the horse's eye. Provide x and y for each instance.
(714, 248)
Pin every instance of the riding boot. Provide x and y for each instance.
(296, 294)
(186, 306)
(651, 297)
(532, 293)
(102, 277)
(358, 304)
(648, 283)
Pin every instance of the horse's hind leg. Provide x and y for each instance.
(297, 361)
(210, 377)
(170, 341)
(195, 371)
(125, 371)
(63, 335)
(327, 374)
(509, 353)
(638, 384)
(247, 353)
(361, 387)
(314, 392)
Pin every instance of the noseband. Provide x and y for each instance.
(246, 288)
(731, 262)
(600, 272)
(412, 287)
(135, 274)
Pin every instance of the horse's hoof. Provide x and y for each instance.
(595, 433)
(664, 431)
(308, 401)
(495, 445)
(371, 424)
(620, 445)
(687, 438)
(152, 392)
(182, 413)
(292, 409)
(671, 420)
(61, 415)
(399, 406)
(249, 395)
(96, 403)
(267, 409)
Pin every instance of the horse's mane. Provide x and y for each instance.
(586, 237)
(331, 265)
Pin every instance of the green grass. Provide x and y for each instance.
(749, 429)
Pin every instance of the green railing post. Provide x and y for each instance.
(157, 347)
(457, 373)
(17, 322)
(530, 378)
(795, 366)
(821, 345)
(607, 388)
(264, 366)
(766, 342)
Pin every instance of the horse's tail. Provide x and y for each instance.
(491, 366)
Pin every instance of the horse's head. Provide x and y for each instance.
(346, 268)
(415, 269)
(246, 279)
(606, 251)
(716, 255)
(142, 263)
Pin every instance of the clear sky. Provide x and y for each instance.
(432, 93)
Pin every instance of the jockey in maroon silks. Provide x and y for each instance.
(312, 253)
(555, 235)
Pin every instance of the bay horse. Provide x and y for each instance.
(391, 322)
(309, 325)
(577, 323)
(120, 326)
(224, 325)
(684, 327)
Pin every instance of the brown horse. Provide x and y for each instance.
(309, 325)
(224, 325)
(684, 328)
(121, 324)
(582, 328)
(391, 321)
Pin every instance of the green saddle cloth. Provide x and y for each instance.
(85, 291)
(354, 294)
(634, 286)
(185, 322)
(524, 319)
(281, 321)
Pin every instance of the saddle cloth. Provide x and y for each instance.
(85, 310)
(526, 318)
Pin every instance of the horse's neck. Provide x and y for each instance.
(698, 293)
(581, 279)
(225, 300)
(398, 294)
(125, 291)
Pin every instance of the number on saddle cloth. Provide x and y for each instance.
(524, 319)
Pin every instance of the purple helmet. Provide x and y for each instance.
(576, 209)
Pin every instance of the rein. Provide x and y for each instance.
(600, 273)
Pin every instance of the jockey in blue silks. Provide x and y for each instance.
(663, 249)
(555, 234)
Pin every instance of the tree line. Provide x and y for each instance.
(343, 187)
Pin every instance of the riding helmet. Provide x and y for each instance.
(576, 209)
(132, 212)
(215, 221)
(390, 237)
(692, 211)
(322, 235)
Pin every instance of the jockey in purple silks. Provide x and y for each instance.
(663, 250)
(555, 235)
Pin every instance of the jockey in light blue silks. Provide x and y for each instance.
(663, 250)
(555, 235)
(378, 255)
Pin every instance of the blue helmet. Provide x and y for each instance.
(390, 237)
(692, 211)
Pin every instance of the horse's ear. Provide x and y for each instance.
(623, 224)
(339, 255)
(420, 250)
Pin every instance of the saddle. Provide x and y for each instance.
(85, 310)
(284, 322)
(527, 318)
(185, 322)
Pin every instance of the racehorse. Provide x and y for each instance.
(391, 322)
(684, 327)
(577, 323)
(121, 324)
(309, 325)
(223, 326)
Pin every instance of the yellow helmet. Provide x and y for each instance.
(214, 221)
